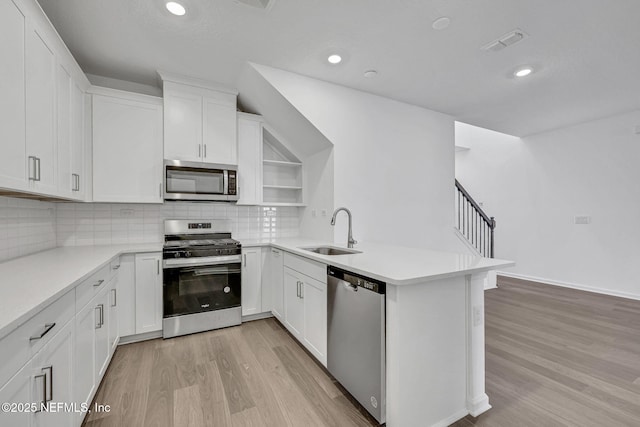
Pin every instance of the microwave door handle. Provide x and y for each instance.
(225, 182)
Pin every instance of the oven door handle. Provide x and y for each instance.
(201, 261)
(215, 271)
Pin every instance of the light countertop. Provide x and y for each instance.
(28, 284)
(396, 265)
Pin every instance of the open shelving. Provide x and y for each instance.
(282, 173)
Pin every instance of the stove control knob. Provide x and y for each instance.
(227, 289)
(176, 255)
(187, 254)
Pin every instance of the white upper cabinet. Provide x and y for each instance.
(220, 131)
(40, 74)
(37, 115)
(182, 126)
(127, 147)
(200, 121)
(249, 159)
(12, 101)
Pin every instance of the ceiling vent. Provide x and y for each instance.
(260, 4)
(504, 41)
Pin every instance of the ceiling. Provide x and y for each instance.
(585, 52)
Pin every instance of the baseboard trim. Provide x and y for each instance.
(257, 316)
(452, 419)
(570, 285)
(140, 337)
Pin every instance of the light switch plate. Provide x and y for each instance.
(582, 219)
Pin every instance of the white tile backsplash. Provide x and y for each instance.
(26, 226)
(103, 223)
(29, 226)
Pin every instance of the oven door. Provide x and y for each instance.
(189, 290)
(195, 181)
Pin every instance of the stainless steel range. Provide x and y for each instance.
(201, 289)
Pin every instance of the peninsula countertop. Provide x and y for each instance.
(395, 265)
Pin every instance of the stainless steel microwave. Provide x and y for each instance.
(200, 181)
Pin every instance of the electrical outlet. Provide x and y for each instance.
(126, 212)
(582, 219)
(477, 315)
(323, 212)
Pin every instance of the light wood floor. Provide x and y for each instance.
(250, 375)
(560, 357)
(555, 357)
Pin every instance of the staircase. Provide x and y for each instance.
(473, 223)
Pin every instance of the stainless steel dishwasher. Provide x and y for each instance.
(356, 337)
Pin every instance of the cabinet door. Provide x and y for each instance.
(127, 150)
(113, 317)
(126, 296)
(276, 268)
(102, 346)
(56, 362)
(18, 390)
(251, 281)
(148, 292)
(66, 182)
(13, 160)
(219, 133)
(293, 304)
(183, 126)
(87, 321)
(249, 161)
(314, 295)
(77, 141)
(40, 82)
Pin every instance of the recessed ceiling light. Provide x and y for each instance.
(441, 23)
(334, 59)
(176, 8)
(523, 72)
(370, 73)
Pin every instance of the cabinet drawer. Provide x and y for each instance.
(92, 286)
(313, 269)
(19, 346)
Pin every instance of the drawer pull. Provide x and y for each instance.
(100, 282)
(47, 328)
(44, 390)
(115, 267)
(50, 369)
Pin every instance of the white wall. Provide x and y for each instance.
(535, 186)
(393, 162)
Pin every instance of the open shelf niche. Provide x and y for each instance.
(282, 173)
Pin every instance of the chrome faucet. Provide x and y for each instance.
(350, 241)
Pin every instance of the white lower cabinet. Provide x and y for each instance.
(126, 295)
(251, 281)
(102, 333)
(305, 311)
(53, 379)
(148, 292)
(16, 391)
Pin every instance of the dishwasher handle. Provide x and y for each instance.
(355, 281)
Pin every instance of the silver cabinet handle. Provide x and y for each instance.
(50, 369)
(205, 151)
(98, 283)
(114, 292)
(275, 252)
(160, 190)
(116, 267)
(199, 150)
(78, 179)
(245, 259)
(98, 325)
(76, 182)
(32, 160)
(45, 331)
(38, 160)
(101, 314)
(158, 262)
(301, 290)
(44, 390)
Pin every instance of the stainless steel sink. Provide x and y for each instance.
(330, 250)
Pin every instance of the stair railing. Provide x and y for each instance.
(474, 224)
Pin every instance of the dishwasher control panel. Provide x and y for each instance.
(357, 280)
